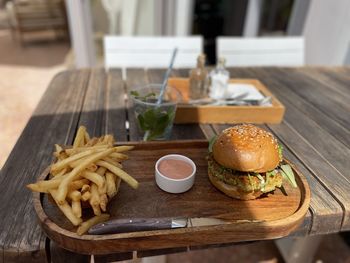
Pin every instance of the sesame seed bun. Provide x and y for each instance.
(246, 148)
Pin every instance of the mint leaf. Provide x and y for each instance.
(211, 143)
(287, 173)
(142, 98)
(155, 121)
(142, 123)
(134, 93)
(151, 94)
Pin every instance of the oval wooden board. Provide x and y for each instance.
(272, 216)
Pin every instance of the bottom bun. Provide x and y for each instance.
(231, 190)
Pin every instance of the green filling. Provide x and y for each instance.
(285, 169)
(211, 143)
(288, 174)
(236, 178)
(280, 151)
(250, 182)
(262, 182)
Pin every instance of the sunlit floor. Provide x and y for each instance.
(25, 73)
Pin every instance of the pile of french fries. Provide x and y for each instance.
(86, 175)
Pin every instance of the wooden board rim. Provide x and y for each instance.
(58, 234)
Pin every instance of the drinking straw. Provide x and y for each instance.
(166, 76)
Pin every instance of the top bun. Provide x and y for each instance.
(246, 148)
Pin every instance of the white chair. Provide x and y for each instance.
(262, 51)
(151, 52)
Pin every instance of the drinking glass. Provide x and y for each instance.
(155, 121)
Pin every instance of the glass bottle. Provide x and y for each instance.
(199, 79)
(219, 78)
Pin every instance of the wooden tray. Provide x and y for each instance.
(268, 217)
(227, 114)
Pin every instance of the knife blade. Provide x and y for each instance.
(146, 224)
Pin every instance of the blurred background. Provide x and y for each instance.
(39, 38)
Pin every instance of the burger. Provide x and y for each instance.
(245, 162)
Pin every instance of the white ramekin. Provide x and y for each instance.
(175, 186)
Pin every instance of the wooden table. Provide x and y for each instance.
(315, 133)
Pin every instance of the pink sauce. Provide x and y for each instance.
(175, 169)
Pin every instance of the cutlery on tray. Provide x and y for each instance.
(240, 100)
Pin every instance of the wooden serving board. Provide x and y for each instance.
(187, 113)
(273, 216)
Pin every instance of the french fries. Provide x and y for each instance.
(63, 187)
(85, 226)
(79, 138)
(95, 178)
(64, 163)
(120, 173)
(88, 174)
(95, 200)
(66, 209)
(86, 196)
(111, 185)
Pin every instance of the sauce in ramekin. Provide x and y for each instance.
(175, 169)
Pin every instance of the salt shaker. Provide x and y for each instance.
(219, 78)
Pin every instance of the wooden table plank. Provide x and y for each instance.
(115, 112)
(54, 121)
(340, 73)
(103, 110)
(156, 76)
(335, 93)
(294, 101)
(323, 171)
(329, 103)
(92, 111)
(332, 79)
(323, 128)
(337, 158)
(326, 212)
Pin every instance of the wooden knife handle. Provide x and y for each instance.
(130, 225)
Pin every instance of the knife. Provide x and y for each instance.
(146, 224)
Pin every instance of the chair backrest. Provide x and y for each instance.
(151, 52)
(262, 51)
